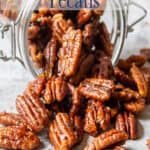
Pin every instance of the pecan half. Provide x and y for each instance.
(118, 148)
(127, 122)
(146, 53)
(107, 139)
(61, 132)
(56, 90)
(18, 138)
(60, 26)
(70, 53)
(83, 16)
(138, 77)
(85, 64)
(146, 73)
(124, 78)
(96, 88)
(11, 119)
(32, 110)
(104, 69)
(96, 115)
(37, 85)
(50, 56)
(135, 106)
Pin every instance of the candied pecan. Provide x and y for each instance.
(50, 56)
(11, 119)
(61, 132)
(135, 106)
(124, 78)
(103, 40)
(126, 94)
(146, 73)
(60, 26)
(37, 85)
(96, 115)
(56, 90)
(138, 77)
(85, 64)
(104, 69)
(32, 110)
(36, 54)
(123, 65)
(148, 144)
(107, 139)
(33, 31)
(97, 88)
(18, 138)
(146, 52)
(127, 122)
(69, 54)
(83, 16)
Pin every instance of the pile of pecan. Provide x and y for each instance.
(79, 90)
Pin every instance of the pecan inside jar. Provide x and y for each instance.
(96, 88)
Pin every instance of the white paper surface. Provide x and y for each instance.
(14, 78)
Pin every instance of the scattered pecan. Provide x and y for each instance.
(138, 77)
(56, 90)
(61, 132)
(107, 139)
(18, 138)
(50, 56)
(83, 16)
(97, 88)
(11, 119)
(146, 53)
(124, 78)
(60, 26)
(126, 94)
(135, 106)
(37, 85)
(104, 69)
(96, 115)
(127, 122)
(70, 53)
(84, 66)
(32, 110)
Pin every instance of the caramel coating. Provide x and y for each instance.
(18, 138)
(107, 139)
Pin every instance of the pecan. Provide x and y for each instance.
(32, 110)
(146, 53)
(107, 139)
(83, 16)
(85, 64)
(37, 85)
(103, 40)
(146, 73)
(148, 144)
(138, 77)
(127, 122)
(56, 90)
(96, 115)
(126, 94)
(60, 26)
(104, 69)
(70, 53)
(18, 138)
(124, 78)
(33, 31)
(97, 88)
(11, 119)
(61, 132)
(135, 106)
(50, 56)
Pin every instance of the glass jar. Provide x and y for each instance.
(115, 18)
